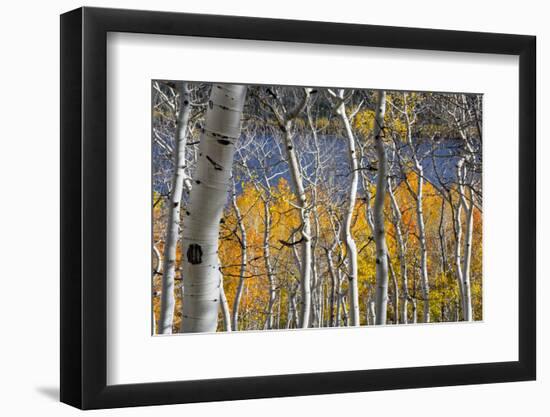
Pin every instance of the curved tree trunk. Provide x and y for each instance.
(468, 207)
(378, 213)
(351, 252)
(458, 247)
(167, 300)
(201, 278)
(418, 196)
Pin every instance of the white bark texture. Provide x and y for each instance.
(378, 212)
(224, 306)
(267, 263)
(423, 244)
(242, 269)
(419, 199)
(401, 252)
(468, 206)
(351, 252)
(201, 278)
(301, 202)
(167, 300)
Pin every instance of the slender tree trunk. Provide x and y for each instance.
(419, 199)
(401, 252)
(395, 292)
(208, 196)
(243, 244)
(295, 322)
(414, 311)
(423, 245)
(267, 263)
(332, 275)
(351, 252)
(442, 240)
(299, 190)
(378, 213)
(371, 312)
(458, 250)
(338, 300)
(224, 305)
(167, 300)
(466, 288)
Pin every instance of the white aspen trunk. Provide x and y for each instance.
(167, 299)
(458, 245)
(414, 311)
(466, 288)
(351, 252)
(201, 279)
(345, 311)
(395, 292)
(330, 264)
(338, 300)
(156, 265)
(401, 251)
(371, 312)
(224, 306)
(418, 196)
(317, 279)
(294, 310)
(368, 198)
(419, 199)
(243, 244)
(423, 245)
(267, 263)
(299, 190)
(378, 212)
(288, 311)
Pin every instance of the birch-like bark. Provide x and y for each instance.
(201, 278)
(224, 306)
(395, 292)
(330, 264)
(401, 252)
(468, 206)
(339, 300)
(285, 120)
(267, 263)
(378, 212)
(423, 245)
(351, 252)
(167, 300)
(419, 199)
(242, 269)
(458, 244)
(297, 181)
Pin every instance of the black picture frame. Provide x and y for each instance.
(84, 207)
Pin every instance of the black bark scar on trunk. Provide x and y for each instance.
(194, 254)
(217, 166)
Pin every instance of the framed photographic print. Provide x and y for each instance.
(256, 208)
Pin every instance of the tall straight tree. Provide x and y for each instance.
(285, 120)
(211, 183)
(351, 252)
(242, 267)
(167, 300)
(378, 212)
(410, 118)
(401, 251)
